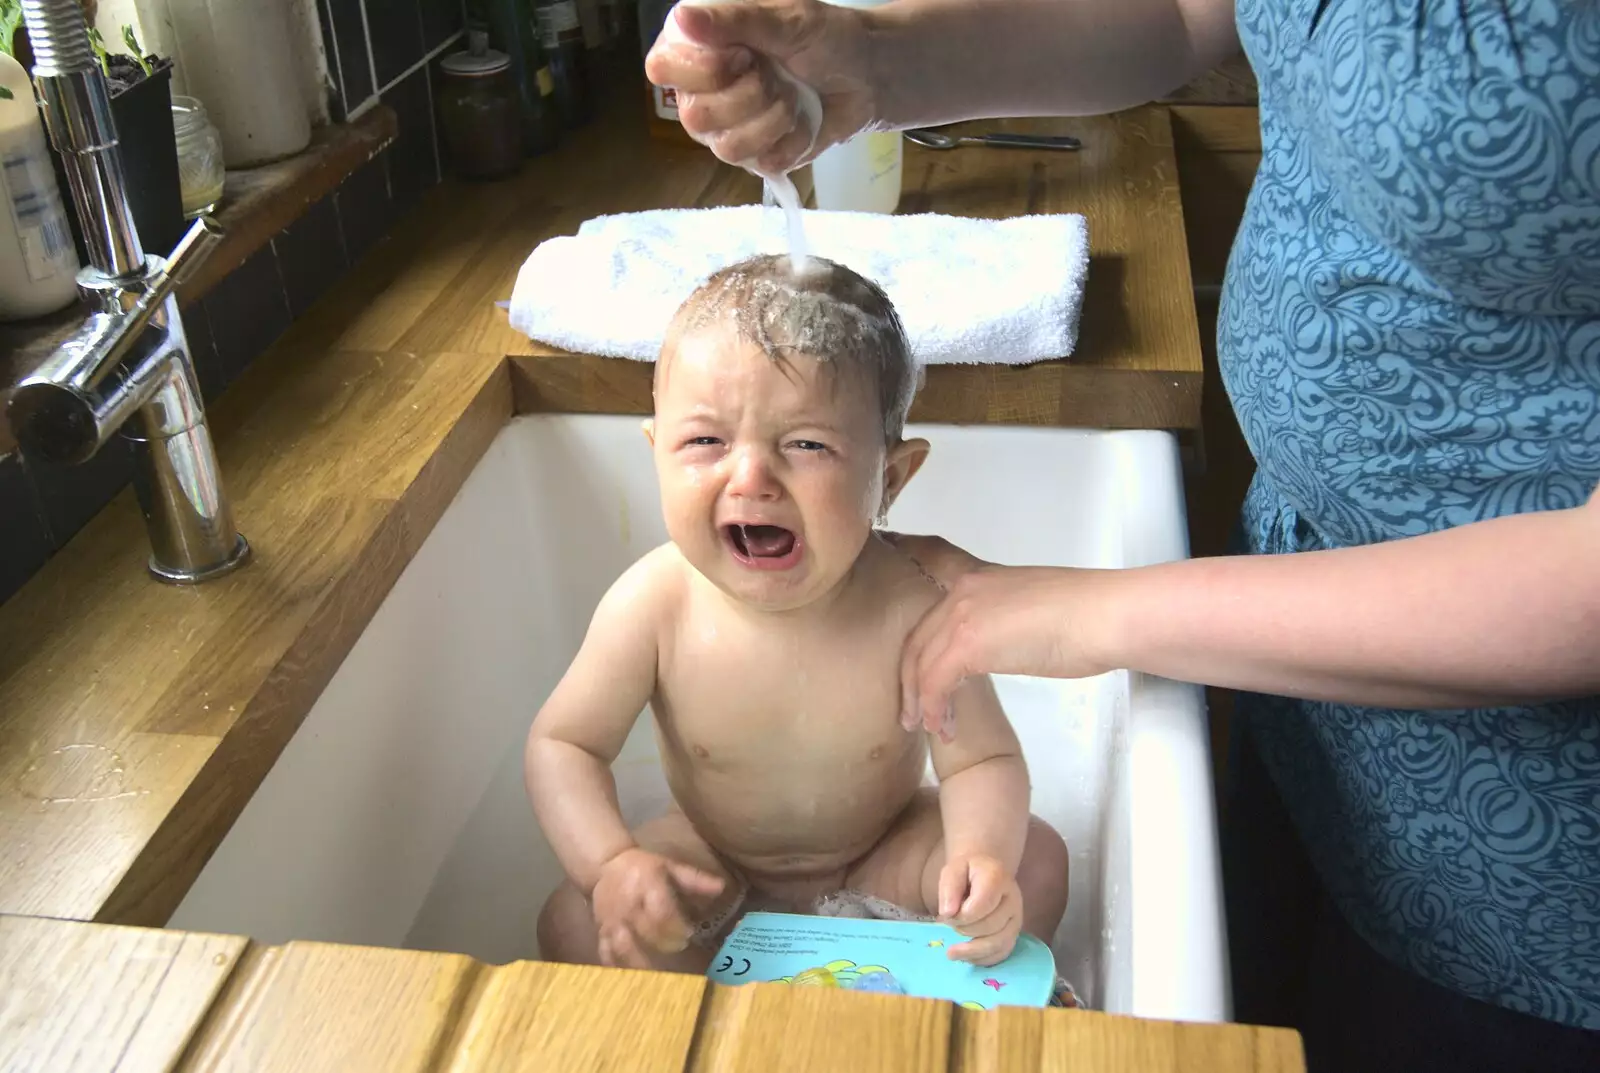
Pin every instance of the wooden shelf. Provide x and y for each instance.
(256, 205)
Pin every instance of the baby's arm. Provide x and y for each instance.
(983, 802)
(582, 726)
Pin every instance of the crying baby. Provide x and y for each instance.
(766, 639)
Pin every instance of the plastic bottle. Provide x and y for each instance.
(515, 33)
(864, 173)
(38, 264)
(561, 34)
(663, 103)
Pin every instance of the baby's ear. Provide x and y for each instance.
(905, 458)
(649, 427)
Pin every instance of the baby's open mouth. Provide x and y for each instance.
(761, 542)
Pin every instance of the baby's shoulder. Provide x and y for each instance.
(896, 583)
(651, 589)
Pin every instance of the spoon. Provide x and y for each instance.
(932, 139)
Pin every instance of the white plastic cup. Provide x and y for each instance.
(864, 173)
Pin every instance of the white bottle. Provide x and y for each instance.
(862, 174)
(38, 264)
(240, 59)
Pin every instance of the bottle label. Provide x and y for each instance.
(546, 81)
(36, 209)
(883, 153)
(556, 20)
(666, 101)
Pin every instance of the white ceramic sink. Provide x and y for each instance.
(396, 816)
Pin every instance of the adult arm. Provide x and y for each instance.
(939, 61)
(1504, 611)
(917, 62)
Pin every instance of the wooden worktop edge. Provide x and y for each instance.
(190, 1002)
(1050, 393)
(165, 868)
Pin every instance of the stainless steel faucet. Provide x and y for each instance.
(128, 367)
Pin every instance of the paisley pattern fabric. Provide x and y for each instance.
(1410, 334)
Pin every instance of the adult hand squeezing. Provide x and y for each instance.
(1046, 621)
(729, 96)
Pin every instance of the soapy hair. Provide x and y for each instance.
(826, 312)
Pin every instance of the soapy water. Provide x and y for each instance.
(788, 198)
(809, 106)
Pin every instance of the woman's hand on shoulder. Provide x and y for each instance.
(1052, 622)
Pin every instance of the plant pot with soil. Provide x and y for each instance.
(141, 106)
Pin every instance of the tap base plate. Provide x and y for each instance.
(173, 576)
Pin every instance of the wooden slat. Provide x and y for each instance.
(79, 998)
(533, 1017)
(779, 1029)
(1006, 1040)
(310, 1007)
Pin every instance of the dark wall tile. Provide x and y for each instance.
(413, 163)
(311, 256)
(71, 495)
(440, 19)
(366, 210)
(24, 541)
(441, 144)
(336, 105)
(247, 312)
(349, 42)
(203, 351)
(395, 29)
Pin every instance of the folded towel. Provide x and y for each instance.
(988, 291)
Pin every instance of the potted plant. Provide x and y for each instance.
(141, 107)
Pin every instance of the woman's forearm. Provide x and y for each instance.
(1499, 612)
(939, 61)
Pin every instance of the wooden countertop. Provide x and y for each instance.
(82, 998)
(137, 719)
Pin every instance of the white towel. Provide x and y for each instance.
(986, 291)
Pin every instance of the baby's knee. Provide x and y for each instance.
(1043, 875)
(566, 929)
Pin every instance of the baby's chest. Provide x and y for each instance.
(735, 705)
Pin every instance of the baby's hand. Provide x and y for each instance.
(639, 906)
(981, 900)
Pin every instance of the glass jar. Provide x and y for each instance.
(480, 112)
(200, 170)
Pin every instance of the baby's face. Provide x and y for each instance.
(771, 473)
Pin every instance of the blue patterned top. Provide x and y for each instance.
(1410, 334)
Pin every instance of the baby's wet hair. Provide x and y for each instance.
(826, 312)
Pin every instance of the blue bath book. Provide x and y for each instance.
(884, 956)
